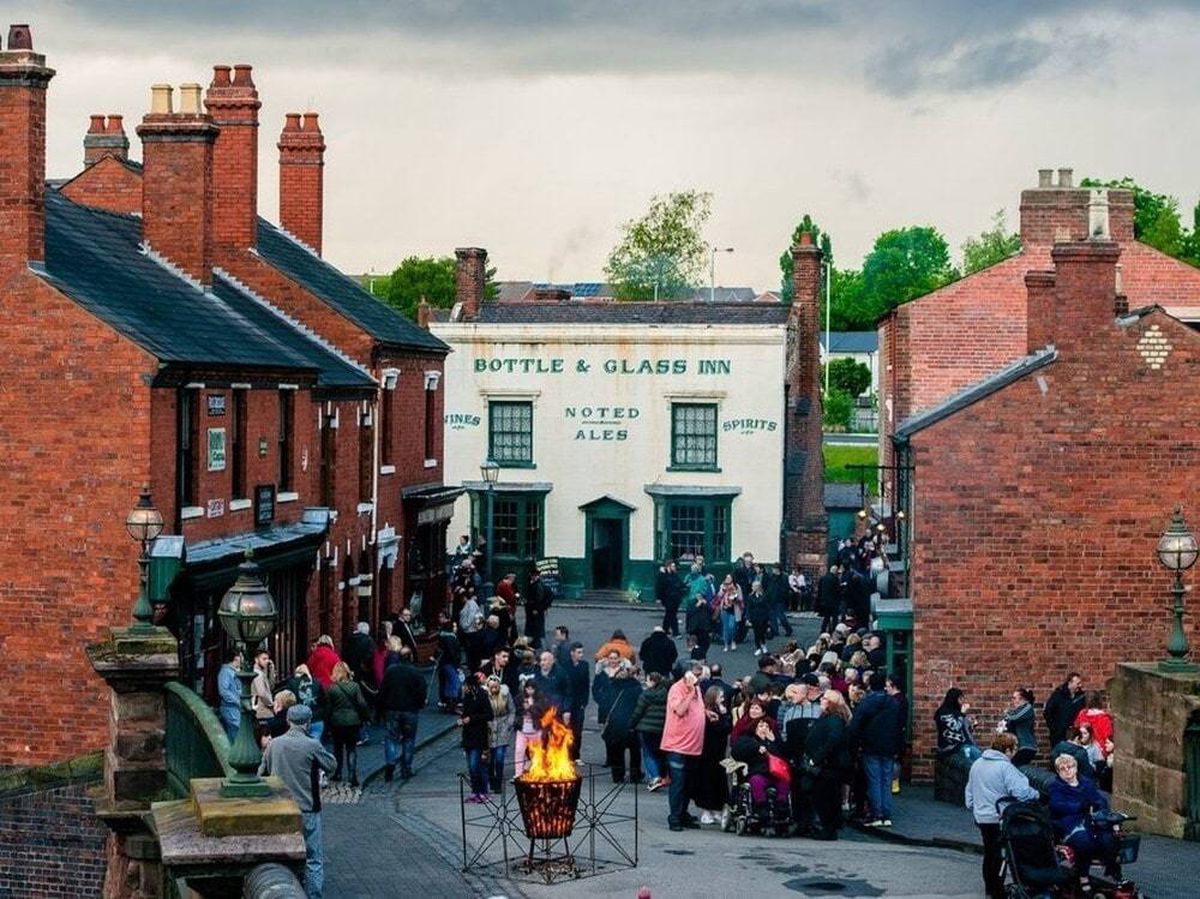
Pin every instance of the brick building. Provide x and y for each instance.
(157, 330)
(949, 339)
(1038, 493)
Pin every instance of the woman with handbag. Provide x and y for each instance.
(347, 710)
(712, 783)
(759, 750)
(826, 761)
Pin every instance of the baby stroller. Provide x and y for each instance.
(740, 816)
(1035, 866)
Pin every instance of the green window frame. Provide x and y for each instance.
(694, 437)
(687, 525)
(510, 433)
(518, 523)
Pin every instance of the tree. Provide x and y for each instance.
(837, 409)
(787, 288)
(429, 277)
(662, 255)
(991, 246)
(905, 263)
(849, 376)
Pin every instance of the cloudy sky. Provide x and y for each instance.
(535, 127)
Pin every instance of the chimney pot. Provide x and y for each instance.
(1098, 215)
(806, 238)
(310, 123)
(1066, 178)
(241, 75)
(189, 99)
(116, 124)
(291, 121)
(1045, 177)
(97, 124)
(160, 99)
(19, 37)
(220, 76)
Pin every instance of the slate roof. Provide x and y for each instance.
(341, 291)
(676, 313)
(977, 391)
(95, 257)
(853, 341)
(843, 496)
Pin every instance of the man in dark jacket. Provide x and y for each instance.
(1064, 704)
(537, 602)
(875, 727)
(580, 675)
(359, 652)
(776, 587)
(658, 653)
(715, 679)
(668, 592)
(401, 697)
(828, 599)
(553, 683)
(500, 665)
(403, 628)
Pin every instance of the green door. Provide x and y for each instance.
(606, 543)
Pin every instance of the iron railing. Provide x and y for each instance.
(196, 745)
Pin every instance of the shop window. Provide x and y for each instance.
(694, 436)
(516, 524)
(689, 526)
(510, 433)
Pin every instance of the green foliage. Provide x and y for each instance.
(1156, 220)
(849, 376)
(662, 253)
(837, 409)
(905, 263)
(838, 458)
(993, 245)
(425, 276)
(787, 290)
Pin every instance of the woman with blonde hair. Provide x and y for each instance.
(826, 761)
(348, 709)
(500, 730)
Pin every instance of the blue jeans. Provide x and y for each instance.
(400, 740)
(728, 627)
(449, 684)
(879, 770)
(650, 755)
(496, 768)
(677, 796)
(779, 622)
(475, 769)
(314, 865)
(231, 720)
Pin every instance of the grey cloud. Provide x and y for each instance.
(969, 66)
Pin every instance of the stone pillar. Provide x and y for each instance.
(1151, 712)
(135, 663)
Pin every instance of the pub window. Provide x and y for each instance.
(510, 433)
(328, 459)
(287, 426)
(516, 524)
(685, 527)
(187, 444)
(238, 449)
(694, 436)
(366, 454)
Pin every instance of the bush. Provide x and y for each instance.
(837, 408)
(849, 375)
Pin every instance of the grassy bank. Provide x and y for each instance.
(838, 457)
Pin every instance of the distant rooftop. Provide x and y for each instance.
(677, 312)
(600, 291)
(853, 341)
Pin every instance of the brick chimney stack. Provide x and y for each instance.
(1086, 292)
(301, 178)
(105, 137)
(177, 181)
(805, 521)
(23, 80)
(470, 274)
(233, 105)
(1052, 208)
(1039, 315)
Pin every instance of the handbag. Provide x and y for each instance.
(779, 768)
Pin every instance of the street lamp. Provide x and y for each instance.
(144, 523)
(247, 613)
(1177, 550)
(712, 271)
(490, 471)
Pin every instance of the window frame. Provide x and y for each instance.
(502, 461)
(287, 436)
(675, 464)
(716, 546)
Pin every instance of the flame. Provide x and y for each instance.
(550, 757)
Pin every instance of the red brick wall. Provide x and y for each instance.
(1037, 511)
(301, 178)
(233, 104)
(23, 79)
(75, 427)
(107, 185)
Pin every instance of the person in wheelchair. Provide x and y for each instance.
(1073, 799)
(757, 749)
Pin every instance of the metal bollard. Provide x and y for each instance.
(272, 881)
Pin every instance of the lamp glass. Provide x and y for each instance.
(490, 471)
(1177, 548)
(144, 522)
(247, 611)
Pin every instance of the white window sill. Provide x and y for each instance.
(240, 505)
(431, 463)
(366, 507)
(188, 512)
(387, 469)
(289, 497)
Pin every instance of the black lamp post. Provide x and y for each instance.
(144, 523)
(1177, 550)
(490, 471)
(247, 613)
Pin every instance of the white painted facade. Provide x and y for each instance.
(602, 397)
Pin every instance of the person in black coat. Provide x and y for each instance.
(475, 711)
(579, 673)
(698, 622)
(668, 592)
(828, 599)
(403, 628)
(754, 749)
(554, 684)
(826, 763)
(875, 728)
(710, 790)
(359, 652)
(1063, 706)
(401, 697)
(618, 734)
(538, 599)
(658, 653)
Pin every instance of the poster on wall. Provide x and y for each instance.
(216, 449)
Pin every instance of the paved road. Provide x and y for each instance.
(402, 840)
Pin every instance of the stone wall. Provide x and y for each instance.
(51, 843)
(1150, 711)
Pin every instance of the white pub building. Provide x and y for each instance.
(625, 433)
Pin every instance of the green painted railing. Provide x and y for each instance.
(196, 745)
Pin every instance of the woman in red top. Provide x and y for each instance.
(322, 659)
(1099, 720)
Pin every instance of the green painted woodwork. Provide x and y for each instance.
(196, 745)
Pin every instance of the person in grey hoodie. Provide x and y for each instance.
(994, 777)
(297, 759)
(1019, 721)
